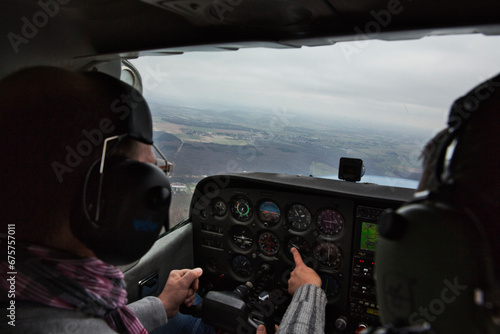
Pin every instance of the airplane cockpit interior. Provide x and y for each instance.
(299, 124)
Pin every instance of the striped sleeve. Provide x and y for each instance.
(306, 312)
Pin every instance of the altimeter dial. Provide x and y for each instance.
(298, 217)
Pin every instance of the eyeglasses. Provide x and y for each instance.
(163, 164)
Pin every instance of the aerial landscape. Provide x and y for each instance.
(279, 142)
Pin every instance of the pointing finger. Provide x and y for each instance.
(296, 257)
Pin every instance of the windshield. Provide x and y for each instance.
(298, 111)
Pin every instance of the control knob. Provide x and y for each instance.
(341, 323)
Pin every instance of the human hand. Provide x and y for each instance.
(262, 329)
(302, 274)
(180, 288)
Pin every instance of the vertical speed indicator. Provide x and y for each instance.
(328, 254)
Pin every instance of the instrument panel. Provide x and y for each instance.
(243, 221)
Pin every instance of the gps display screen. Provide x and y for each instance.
(369, 236)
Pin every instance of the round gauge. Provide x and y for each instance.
(269, 244)
(241, 209)
(299, 217)
(301, 244)
(328, 254)
(242, 237)
(330, 285)
(269, 213)
(330, 222)
(220, 208)
(242, 266)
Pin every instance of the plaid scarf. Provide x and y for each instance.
(87, 285)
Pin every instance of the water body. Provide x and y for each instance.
(384, 181)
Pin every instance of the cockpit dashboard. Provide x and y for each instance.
(245, 224)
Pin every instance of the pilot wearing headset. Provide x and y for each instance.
(80, 189)
(80, 193)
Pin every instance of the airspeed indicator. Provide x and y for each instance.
(241, 209)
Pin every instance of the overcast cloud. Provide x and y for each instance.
(412, 83)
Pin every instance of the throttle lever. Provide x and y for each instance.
(228, 310)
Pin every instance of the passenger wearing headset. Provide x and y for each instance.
(79, 189)
(438, 257)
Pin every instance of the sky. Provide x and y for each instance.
(408, 84)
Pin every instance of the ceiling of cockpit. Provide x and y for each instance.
(72, 32)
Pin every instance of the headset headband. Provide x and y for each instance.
(123, 203)
(459, 116)
(131, 107)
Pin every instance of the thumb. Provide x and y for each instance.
(261, 329)
(192, 274)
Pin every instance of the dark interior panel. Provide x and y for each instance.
(245, 224)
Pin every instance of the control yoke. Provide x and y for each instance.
(232, 312)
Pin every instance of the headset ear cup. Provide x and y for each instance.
(391, 225)
(430, 273)
(135, 202)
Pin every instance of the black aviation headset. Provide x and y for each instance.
(434, 267)
(123, 203)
